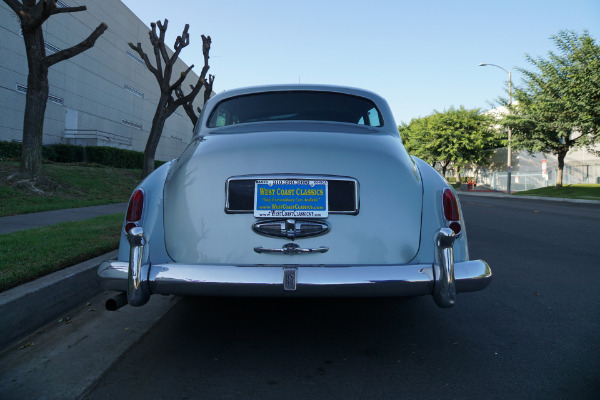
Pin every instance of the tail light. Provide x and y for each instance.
(134, 210)
(451, 212)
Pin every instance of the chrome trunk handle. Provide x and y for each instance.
(291, 248)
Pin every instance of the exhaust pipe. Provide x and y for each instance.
(116, 302)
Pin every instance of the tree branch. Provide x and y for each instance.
(181, 42)
(16, 6)
(155, 41)
(144, 56)
(59, 10)
(206, 42)
(208, 88)
(188, 107)
(46, 8)
(163, 49)
(189, 98)
(75, 50)
(179, 81)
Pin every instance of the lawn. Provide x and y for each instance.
(30, 254)
(579, 191)
(64, 186)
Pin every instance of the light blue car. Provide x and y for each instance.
(294, 191)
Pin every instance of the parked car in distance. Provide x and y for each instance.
(294, 191)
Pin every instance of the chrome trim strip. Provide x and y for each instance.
(444, 289)
(137, 291)
(291, 248)
(291, 228)
(312, 280)
(293, 176)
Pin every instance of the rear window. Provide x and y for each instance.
(295, 106)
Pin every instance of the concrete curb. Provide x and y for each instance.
(27, 307)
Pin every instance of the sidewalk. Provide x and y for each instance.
(35, 220)
(512, 196)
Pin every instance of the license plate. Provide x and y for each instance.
(294, 198)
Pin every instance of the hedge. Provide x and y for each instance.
(68, 153)
(10, 150)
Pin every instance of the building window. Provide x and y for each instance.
(134, 91)
(135, 58)
(51, 98)
(132, 124)
(55, 99)
(51, 48)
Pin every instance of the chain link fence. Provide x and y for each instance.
(572, 174)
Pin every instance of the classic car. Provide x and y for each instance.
(298, 191)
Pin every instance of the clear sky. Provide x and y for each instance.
(421, 55)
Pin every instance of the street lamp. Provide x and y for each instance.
(508, 163)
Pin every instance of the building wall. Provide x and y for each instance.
(103, 96)
(582, 165)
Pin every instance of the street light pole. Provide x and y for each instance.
(508, 162)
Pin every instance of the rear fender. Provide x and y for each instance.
(433, 216)
(152, 219)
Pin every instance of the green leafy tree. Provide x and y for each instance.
(455, 137)
(557, 105)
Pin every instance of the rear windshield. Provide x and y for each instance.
(295, 106)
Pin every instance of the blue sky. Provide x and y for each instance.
(420, 55)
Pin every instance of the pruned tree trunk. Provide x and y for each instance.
(158, 123)
(32, 14)
(167, 104)
(35, 104)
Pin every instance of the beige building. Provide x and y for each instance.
(103, 97)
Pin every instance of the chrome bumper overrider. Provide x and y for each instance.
(443, 279)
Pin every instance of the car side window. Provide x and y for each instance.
(371, 119)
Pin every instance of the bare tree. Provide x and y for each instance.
(189, 107)
(32, 14)
(167, 104)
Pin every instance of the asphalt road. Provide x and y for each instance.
(533, 334)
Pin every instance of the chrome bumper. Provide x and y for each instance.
(311, 281)
(442, 279)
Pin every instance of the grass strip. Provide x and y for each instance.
(578, 191)
(30, 254)
(65, 186)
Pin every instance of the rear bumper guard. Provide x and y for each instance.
(443, 279)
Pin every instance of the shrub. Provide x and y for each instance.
(10, 150)
(63, 153)
(68, 153)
